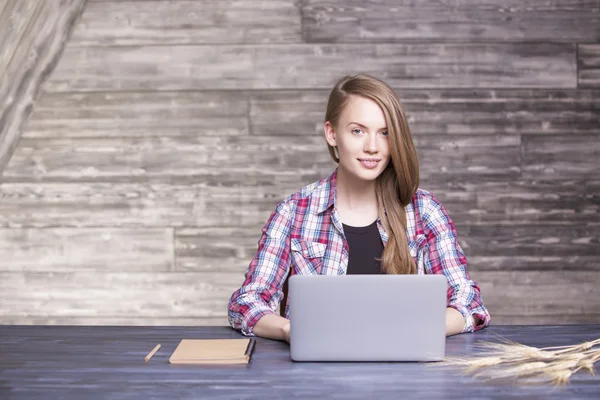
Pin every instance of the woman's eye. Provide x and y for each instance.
(356, 131)
(384, 133)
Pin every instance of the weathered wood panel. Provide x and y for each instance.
(519, 202)
(138, 205)
(210, 204)
(373, 21)
(131, 114)
(294, 66)
(119, 295)
(588, 56)
(119, 321)
(15, 16)
(488, 248)
(149, 159)
(215, 249)
(533, 247)
(301, 112)
(288, 112)
(541, 293)
(200, 295)
(561, 157)
(435, 111)
(35, 33)
(462, 157)
(93, 249)
(142, 159)
(188, 22)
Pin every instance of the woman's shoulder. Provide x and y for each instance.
(422, 199)
(425, 202)
(428, 209)
(314, 196)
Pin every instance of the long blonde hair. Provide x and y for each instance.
(397, 184)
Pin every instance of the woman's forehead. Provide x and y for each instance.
(363, 111)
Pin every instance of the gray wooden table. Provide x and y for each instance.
(84, 362)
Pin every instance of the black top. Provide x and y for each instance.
(366, 248)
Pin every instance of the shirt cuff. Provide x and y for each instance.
(466, 313)
(252, 318)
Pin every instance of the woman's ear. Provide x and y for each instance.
(330, 135)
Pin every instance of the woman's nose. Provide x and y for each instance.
(371, 144)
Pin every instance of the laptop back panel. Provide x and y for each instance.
(367, 317)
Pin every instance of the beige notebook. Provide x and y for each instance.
(213, 351)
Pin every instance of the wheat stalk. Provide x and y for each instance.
(526, 364)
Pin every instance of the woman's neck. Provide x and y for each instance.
(356, 200)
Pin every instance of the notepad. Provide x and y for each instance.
(213, 351)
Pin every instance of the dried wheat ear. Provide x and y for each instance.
(528, 365)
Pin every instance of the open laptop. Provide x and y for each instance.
(367, 317)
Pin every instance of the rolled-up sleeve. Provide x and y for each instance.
(445, 256)
(261, 290)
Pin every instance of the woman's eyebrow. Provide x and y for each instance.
(364, 127)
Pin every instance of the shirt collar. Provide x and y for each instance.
(328, 194)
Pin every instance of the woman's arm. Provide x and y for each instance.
(273, 326)
(455, 321)
(261, 292)
(445, 256)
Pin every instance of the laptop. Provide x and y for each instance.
(367, 317)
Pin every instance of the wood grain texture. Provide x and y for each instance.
(107, 362)
(176, 127)
(119, 295)
(91, 249)
(531, 248)
(118, 321)
(215, 249)
(561, 156)
(15, 16)
(133, 114)
(41, 38)
(520, 202)
(374, 21)
(292, 66)
(288, 112)
(152, 158)
(210, 204)
(188, 22)
(149, 159)
(462, 157)
(198, 294)
(540, 293)
(588, 56)
(137, 205)
(439, 111)
(488, 247)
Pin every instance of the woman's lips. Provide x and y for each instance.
(369, 163)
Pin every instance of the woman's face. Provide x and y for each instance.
(361, 139)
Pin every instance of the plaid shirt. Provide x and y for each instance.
(305, 233)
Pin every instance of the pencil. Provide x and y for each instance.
(154, 350)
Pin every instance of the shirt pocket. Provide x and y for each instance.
(307, 257)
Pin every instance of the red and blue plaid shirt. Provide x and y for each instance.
(305, 234)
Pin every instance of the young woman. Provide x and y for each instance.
(368, 217)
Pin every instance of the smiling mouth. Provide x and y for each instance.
(369, 160)
(369, 163)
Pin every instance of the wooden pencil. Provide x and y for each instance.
(154, 350)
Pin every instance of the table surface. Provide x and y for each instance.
(77, 362)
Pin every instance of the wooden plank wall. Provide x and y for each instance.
(169, 130)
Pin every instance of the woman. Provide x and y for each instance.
(369, 216)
